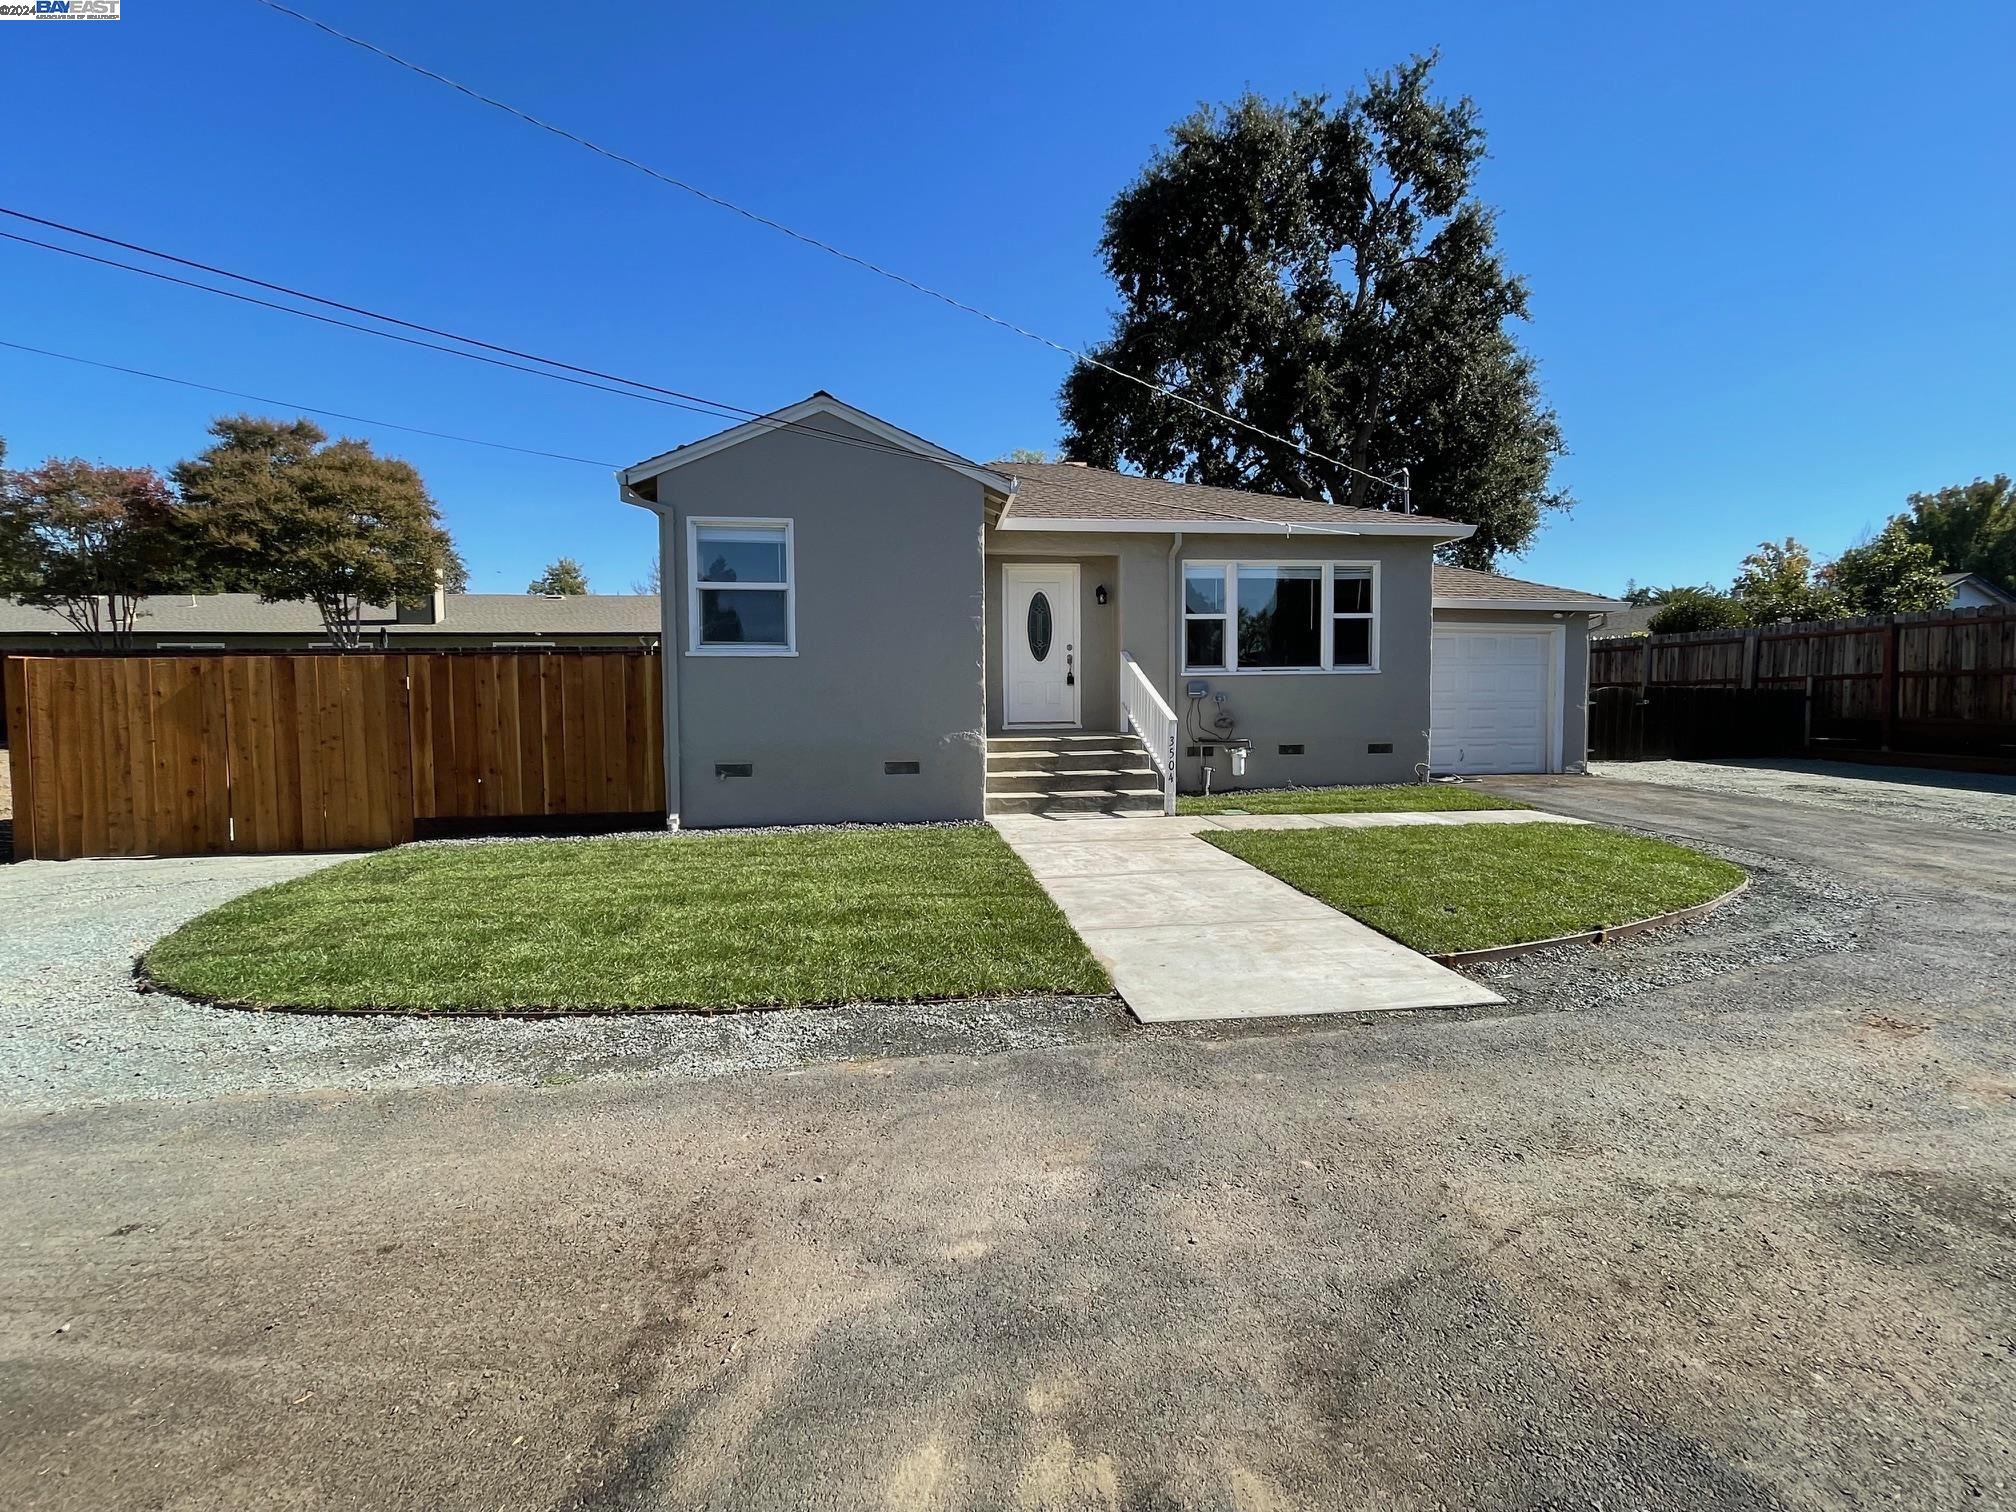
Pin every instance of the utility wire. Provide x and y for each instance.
(796, 235)
(312, 409)
(713, 409)
(696, 404)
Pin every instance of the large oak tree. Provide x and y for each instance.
(1323, 272)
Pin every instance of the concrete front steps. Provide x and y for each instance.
(1071, 773)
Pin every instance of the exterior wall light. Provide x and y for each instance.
(1099, 593)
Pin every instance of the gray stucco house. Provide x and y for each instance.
(861, 625)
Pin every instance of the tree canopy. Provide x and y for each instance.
(1683, 609)
(1780, 584)
(1970, 527)
(1890, 574)
(1321, 271)
(562, 578)
(287, 517)
(89, 541)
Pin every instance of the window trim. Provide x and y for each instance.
(789, 587)
(1230, 567)
(1223, 616)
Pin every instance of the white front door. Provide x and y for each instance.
(1492, 699)
(1039, 643)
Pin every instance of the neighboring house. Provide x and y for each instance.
(446, 621)
(1970, 590)
(869, 627)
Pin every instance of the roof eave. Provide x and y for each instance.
(1436, 530)
(1569, 605)
(639, 473)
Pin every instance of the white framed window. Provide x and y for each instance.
(1280, 617)
(1206, 634)
(741, 589)
(1354, 628)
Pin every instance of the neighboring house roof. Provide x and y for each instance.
(1463, 588)
(641, 477)
(491, 614)
(1987, 587)
(1067, 496)
(1630, 619)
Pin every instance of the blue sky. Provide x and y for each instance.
(1769, 246)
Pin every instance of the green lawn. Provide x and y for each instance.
(730, 921)
(1421, 797)
(1470, 888)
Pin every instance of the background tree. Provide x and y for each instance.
(653, 580)
(1026, 454)
(1970, 527)
(1683, 609)
(1321, 272)
(1777, 584)
(90, 541)
(1891, 574)
(563, 578)
(290, 518)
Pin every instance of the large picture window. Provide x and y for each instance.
(1280, 617)
(740, 588)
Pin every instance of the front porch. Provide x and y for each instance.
(1074, 726)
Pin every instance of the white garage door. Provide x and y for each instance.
(1490, 695)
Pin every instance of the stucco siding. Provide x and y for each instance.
(889, 658)
(1336, 717)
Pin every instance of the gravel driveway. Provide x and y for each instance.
(1959, 799)
(1714, 1218)
(74, 1030)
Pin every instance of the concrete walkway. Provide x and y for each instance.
(1189, 932)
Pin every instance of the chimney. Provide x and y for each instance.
(430, 610)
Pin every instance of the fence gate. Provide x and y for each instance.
(196, 755)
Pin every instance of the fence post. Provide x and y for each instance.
(1890, 648)
(1644, 667)
(1750, 657)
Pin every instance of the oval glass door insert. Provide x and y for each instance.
(1039, 626)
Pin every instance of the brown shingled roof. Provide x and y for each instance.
(1464, 583)
(1066, 491)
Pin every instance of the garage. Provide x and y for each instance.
(1494, 703)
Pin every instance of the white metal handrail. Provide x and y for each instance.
(1149, 716)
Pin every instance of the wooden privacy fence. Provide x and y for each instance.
(1940, 682)
(195, 755)
(1694, 724)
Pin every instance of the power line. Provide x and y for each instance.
(713, 409)
(697, 404)
(337, 304)
(796, 235)
(311, 409)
